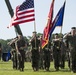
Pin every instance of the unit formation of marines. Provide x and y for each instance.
(56, 51)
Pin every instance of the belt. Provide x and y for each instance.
(21, 48)
(46, 48)
(35, 48)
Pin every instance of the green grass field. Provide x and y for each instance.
(6, 69)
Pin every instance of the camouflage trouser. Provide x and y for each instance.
(46, 59)
(73, 61)
(41, 64)
(62, 62)
(14, 59)
(57, 58)
(21, 57)
(35, 59)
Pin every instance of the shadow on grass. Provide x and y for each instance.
(53, 70)
(7, 70)
(40, 70)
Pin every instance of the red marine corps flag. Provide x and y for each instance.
(46, 31)
(24, 13)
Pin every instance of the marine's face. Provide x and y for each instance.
(56, 36)
(19, 36)
(34, 34)
(73, 32)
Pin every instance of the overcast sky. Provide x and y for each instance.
(41, 12)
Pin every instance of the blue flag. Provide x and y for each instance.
(58, 19)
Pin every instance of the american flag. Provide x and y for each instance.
(24, 13)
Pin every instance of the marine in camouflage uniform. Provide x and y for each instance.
(13, 53)
(41, 54)
(21, 45)
(71, 37)
(56, 52)
(35, 51)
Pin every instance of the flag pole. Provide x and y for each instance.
(35, 27)
(61, 31)
(62, 19)
(34, 20)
